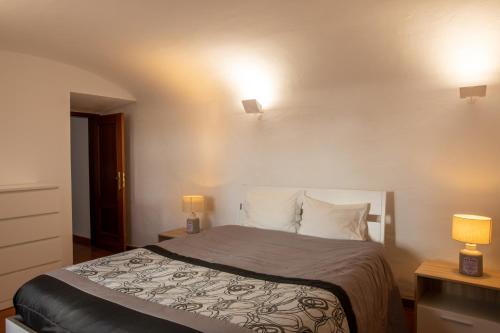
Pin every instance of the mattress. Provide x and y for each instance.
(226, 279)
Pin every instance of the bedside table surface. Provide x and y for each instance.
(180, 232)
(449, 272)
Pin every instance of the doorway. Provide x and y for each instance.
(98, 178)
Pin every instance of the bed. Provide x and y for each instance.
(227, 279)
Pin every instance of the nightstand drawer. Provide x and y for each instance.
(434, 320)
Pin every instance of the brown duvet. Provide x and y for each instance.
(357, 267)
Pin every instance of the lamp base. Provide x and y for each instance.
(193, 225)
(471, 261)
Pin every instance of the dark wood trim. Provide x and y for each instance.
(81, 240)
(4, 314)
(408, 303)
(93, 175)
(83, 114)
(130, 247)
(122, 165)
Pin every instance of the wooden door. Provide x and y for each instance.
(108, 181)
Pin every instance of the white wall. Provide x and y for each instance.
(80, 187)
(35, 124)
(437, 153)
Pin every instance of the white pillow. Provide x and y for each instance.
(272, 208)
(326, 220)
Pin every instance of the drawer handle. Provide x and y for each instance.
(457, 321)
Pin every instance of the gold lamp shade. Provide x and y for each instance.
(193, 203)
(473, 229)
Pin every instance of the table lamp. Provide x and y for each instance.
(193, 204)
(471, 230)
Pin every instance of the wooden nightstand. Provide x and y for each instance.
(171, 234)
(447, 301)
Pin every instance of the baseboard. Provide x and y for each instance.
(130, 247)
(81, 240)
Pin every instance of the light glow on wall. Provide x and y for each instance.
(249, 77)
(469, 54)
(253, 81)
(472, 61)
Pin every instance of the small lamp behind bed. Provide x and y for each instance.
(193, 204)
(471, 230)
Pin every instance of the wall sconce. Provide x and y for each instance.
(251, 106)
(473, 91)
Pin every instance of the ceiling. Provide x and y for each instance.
(194, 48)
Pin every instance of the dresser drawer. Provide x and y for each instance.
(436, 320)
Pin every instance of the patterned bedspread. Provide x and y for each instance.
(244, 299)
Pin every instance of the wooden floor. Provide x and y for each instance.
(410, 317)
(83, 252)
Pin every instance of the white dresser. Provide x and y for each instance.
(30, 235)
(449, 302)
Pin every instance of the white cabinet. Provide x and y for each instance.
(30, 235)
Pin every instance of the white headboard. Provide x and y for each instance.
(377, 200)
